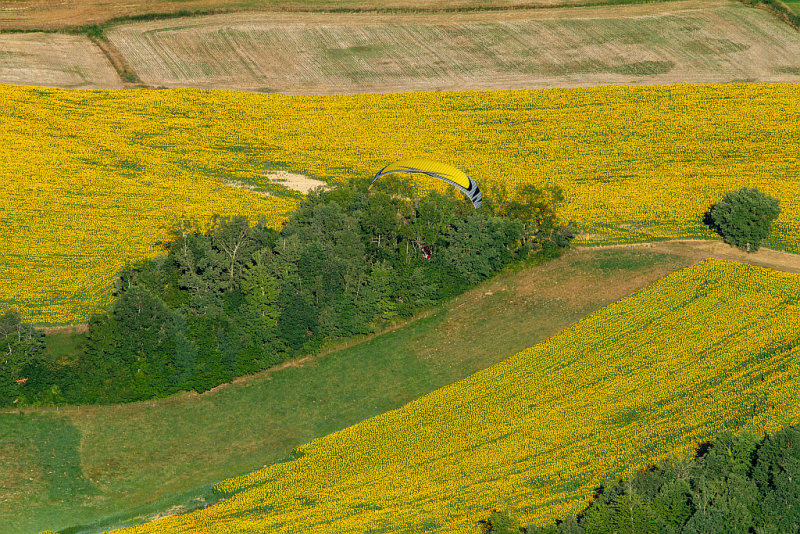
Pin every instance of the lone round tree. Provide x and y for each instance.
(744, 217)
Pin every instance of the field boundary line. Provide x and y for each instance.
(693, 248)
(127, 75)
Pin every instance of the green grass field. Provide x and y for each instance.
(116, 465)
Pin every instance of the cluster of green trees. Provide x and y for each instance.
(738, 484)
(21, 357)
(237, 299)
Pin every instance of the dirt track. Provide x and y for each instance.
(699, 250)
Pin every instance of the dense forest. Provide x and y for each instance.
(740, 483)
(234, 298)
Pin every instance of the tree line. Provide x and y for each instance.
(234, 299)
(740, 483)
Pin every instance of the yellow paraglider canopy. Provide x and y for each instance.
(434, 169)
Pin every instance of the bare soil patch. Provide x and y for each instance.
(242, 185)
(298, 182)
(55, 60)
(688, 41)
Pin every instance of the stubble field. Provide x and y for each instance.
(312, 48)
(55, 60)
(306, 53)
(46, 14)
(89, 181)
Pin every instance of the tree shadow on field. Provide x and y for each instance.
(702, 448)
(708, 220)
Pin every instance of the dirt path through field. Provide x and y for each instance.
(546, 283)
(699, 249)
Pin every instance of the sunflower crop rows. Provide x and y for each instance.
(709, 348)
(91, 179)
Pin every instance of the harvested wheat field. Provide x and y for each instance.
(55, 60)
(47, 14)
(313, 53)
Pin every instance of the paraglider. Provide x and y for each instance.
(441, 171)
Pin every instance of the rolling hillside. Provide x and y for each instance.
(89, 180)
(82, 465)
(709, 348)
(526, 392)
